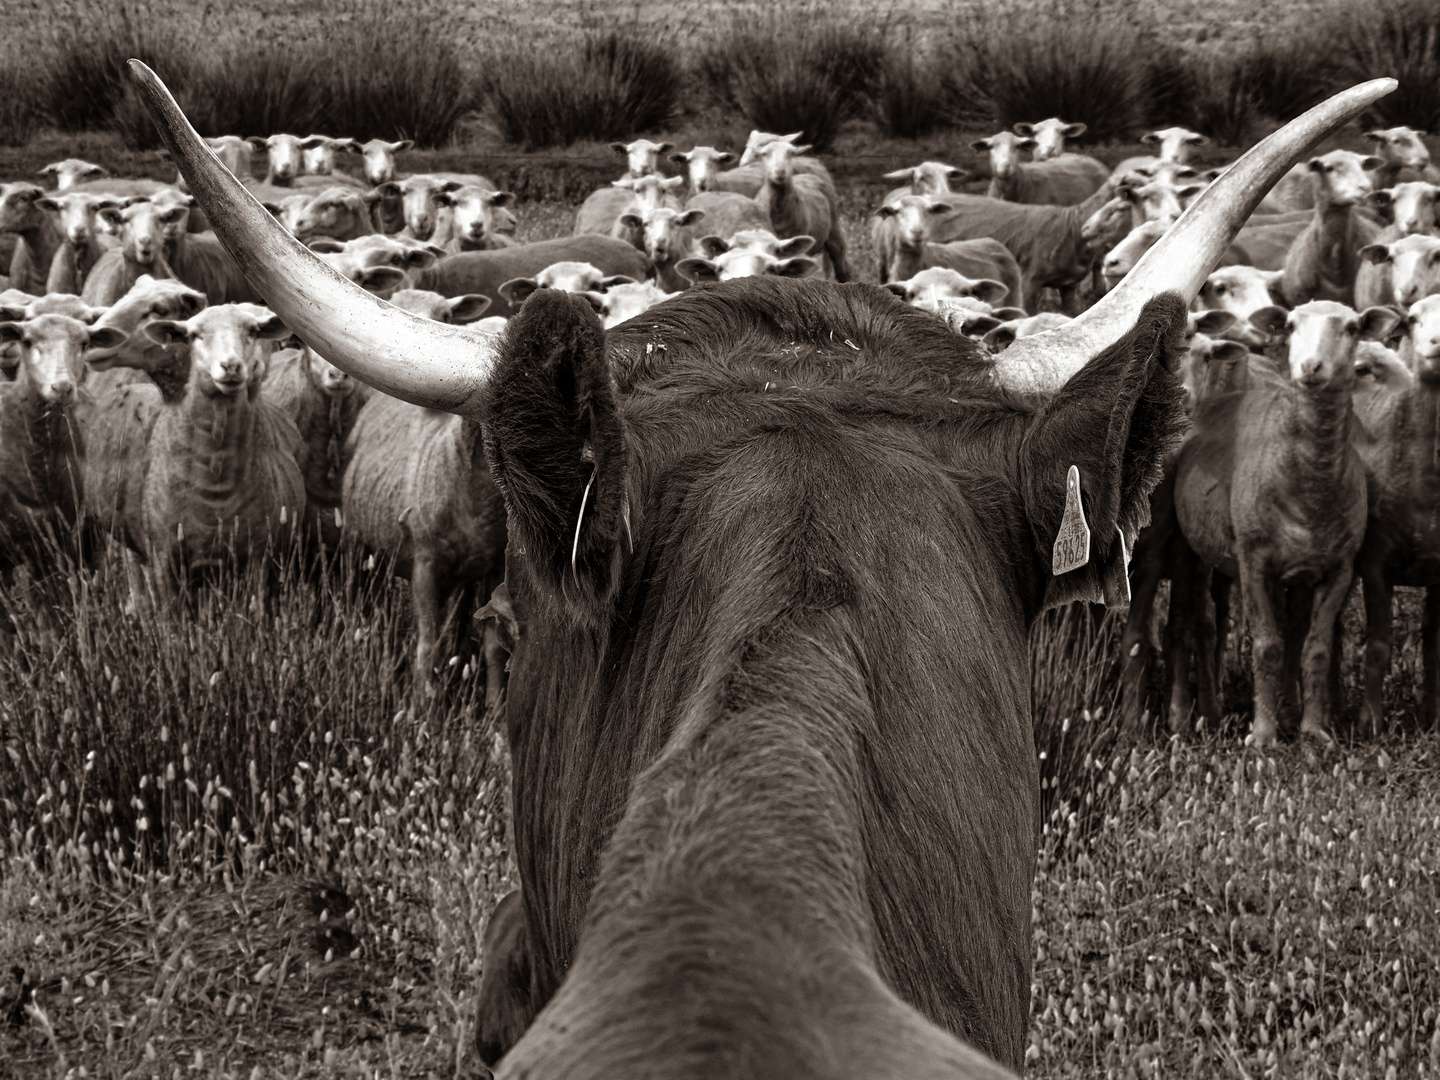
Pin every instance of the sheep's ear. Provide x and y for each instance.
(378, 279)
(999, 338)
(615, 279)
(1023, 129)
(1214, 322)
(1269, 320)
(325, 245)
(795, 245)
(981, 146)
(619, 148)
(272, 328)
(516, 290)
(907, 175)
(467, 308)
(167, 332)
(680, 159)
(713, 246)
(1375, 253)
(899, 288)
(1197, 140)
(697, 269)
(1378, 323)
(1074, 131)
(991, 292)
(1150, 138)
(798, 267)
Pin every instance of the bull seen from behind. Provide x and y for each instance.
(773, 553)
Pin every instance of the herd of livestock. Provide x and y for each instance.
(155, 399)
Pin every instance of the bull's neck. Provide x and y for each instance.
(737, 866)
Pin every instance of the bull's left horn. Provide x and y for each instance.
(1187, 253)
(421, 361)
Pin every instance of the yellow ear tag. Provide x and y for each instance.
(1072, 542)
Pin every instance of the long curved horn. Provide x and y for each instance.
(1188, 252)
(418, 360)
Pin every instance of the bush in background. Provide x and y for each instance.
(1400, 38)
(796, 71)
(20, 106)
(390, 74)
(1067, 61)
(610, 85)
(908, 99)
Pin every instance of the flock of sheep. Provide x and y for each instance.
(153, 399)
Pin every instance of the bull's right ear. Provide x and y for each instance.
(556, 447)
(1114, 422)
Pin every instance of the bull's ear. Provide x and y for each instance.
(1114, 421)
(556, 446)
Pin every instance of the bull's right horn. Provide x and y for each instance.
(1186, 254)
(418, 360)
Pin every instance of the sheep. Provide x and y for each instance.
(38, 238)
(484, 272)
(1324, 260)
(1269, 489)
(668, 236)
(623, 302)
(40, 479)
(220, 483)
(797, 204)
(418, 491)
(642, 156)
(75, 215)
(473, 211)
(1403, 156)
(1412, 211)
(379, 158)
(914, 247)
(1058, 181)
(1049, 136)
(140, 225)
(569, 276)
(70, 172)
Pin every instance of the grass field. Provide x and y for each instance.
(235, 841)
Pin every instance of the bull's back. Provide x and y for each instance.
(485, 271)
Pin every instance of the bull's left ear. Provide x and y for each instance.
(556, 446)
(1114, 421)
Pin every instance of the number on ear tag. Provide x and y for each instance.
(1072, 542)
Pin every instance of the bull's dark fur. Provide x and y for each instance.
(775, 789)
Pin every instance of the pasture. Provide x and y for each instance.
(239, 839)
